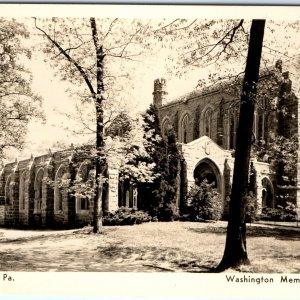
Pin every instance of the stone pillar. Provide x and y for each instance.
(226, 131)
(259, 193)
(113, 189)
(134, 197)
(227, 187)
(220, 125)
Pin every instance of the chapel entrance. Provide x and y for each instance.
(207, 169)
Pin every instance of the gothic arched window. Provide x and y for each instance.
(8, 192)
(233, 117)
(184, 129)
(207, 122)
(22, 191)
(60, 187)
(82, 200)
(262, 119)
(38, 189)
(165, 128)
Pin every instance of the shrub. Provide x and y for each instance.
(251, 208)
(126, 216)
(283, 214)
(205, 202)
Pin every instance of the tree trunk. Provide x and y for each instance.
(100, 161)
(235, 253)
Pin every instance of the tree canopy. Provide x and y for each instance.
(18, 103)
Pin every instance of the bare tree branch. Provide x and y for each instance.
(230, 34)
(109, 29)
(69, 58)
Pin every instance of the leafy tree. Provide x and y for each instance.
(154, 146)
(160, 194)
(119, 126)
(251, 208)
(137, 167)
(18, 103)
(282, 153)
(235, 252)
(167, 192)
(85, 53)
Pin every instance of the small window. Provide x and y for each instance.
(84, 203)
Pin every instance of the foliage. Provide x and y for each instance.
(205, 202)
(126, 216)
(169, 184)
(153, 164)
(251, 213)
(18, 103)
(148, 153)
(162, 202)
(136, 166)
(282, 153)
(283, 214)
(120, 126)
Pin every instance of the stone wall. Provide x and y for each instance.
(194, 107)
(29, 191)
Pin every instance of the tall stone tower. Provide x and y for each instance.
(159, 92)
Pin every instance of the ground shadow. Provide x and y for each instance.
(209, 229)
(255, 231)
(21, 240)
(277, 233)
(156, 259)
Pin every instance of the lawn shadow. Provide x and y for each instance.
(155, 259)
(275, 232)
(255, 231)
(27, 239)
(209, 229)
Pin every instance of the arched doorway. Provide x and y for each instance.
(207, 169)
(267, 193)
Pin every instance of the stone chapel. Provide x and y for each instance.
(205, 122)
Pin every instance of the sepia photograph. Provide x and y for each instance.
(150, 139)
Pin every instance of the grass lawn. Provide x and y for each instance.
(149, 247)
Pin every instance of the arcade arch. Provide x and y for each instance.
(60, 191)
